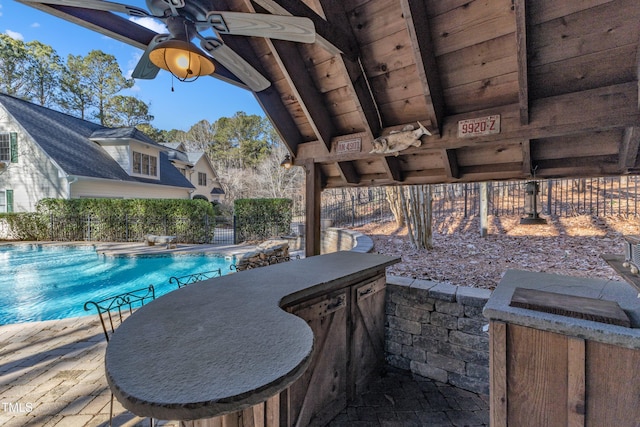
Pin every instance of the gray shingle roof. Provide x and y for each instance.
(65, 139)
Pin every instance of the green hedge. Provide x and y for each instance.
(261, 219)
(115, 220)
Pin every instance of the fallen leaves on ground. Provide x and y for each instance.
(460, 256)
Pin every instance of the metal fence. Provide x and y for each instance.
(353, 207)
(599, 197)
(126, 228)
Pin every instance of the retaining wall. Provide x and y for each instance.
(436, 330)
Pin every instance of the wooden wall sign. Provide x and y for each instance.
(351, 145)
(479, 126)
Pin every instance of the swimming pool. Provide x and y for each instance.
(53, 282)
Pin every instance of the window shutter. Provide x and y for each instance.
(14, 147)
(9, 196)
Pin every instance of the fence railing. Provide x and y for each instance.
(126, 228)
(353, 207)
(600, 197)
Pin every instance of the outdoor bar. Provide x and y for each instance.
(564, 351)
(244, 348)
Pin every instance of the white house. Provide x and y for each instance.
(48, 154)
(197, 168)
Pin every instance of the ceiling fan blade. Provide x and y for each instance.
(236, 64)
(279, 27)
(98, 5)
(145, 69)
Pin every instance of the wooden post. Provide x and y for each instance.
(484, 209)
(498, 373)
(312, 211)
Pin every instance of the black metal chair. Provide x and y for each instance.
(193, 278)
(113, 310)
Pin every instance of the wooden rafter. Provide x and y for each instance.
(526, 157)
(450, 160)
(629, 149)
(393, 168)
(359, 87)
(348, 172)
(521, 46)
(417, 22)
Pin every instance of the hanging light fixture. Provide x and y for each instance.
(182, 59)
(178, 55)
(286, 163)
(532, 205)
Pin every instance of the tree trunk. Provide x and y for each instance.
(418, 209)
(395, 204)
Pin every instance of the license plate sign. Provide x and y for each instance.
(480, 126)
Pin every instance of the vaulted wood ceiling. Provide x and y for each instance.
(561, 75)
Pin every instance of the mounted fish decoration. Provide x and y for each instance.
(399, 140)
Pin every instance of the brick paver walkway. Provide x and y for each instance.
(52, 374)
(400, 399)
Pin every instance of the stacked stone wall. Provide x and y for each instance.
(437, 330)
(267, 252)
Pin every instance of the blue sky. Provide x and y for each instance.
(206, 98)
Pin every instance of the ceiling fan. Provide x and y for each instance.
(186, 19)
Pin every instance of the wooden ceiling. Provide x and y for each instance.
(562, 77)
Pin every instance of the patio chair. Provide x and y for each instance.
(113, 310)
(188, 279)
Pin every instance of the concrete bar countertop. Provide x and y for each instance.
(498, 308)
(224, 344)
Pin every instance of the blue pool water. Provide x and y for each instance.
(53, 282)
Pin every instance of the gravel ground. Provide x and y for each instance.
(569, 246)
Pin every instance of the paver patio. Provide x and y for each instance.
(52, 374)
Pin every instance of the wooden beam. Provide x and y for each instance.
(309, 98)
(393, 168)
(348, 172)
(312, 212)
(450, 161)
(581, 113)
(415, 14)
(629, 148)
(332, 37)
(360, 87)
(526, 157)
(576, 382)
(521, 44)
(498, 373)
(587, 166)
(288, 57)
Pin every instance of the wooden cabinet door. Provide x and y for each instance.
(321, 393)
(367, 333)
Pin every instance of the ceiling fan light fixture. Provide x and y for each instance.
(182, 59)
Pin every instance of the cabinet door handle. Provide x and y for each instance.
(366, 292)
(338, 302)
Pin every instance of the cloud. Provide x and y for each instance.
(35, 25)
(150, 23)
(131, 64)
(14, 35)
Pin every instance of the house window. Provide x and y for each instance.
(6, 201)
(5, 147)
(145, 164)
(9, 147)
(202, 178)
